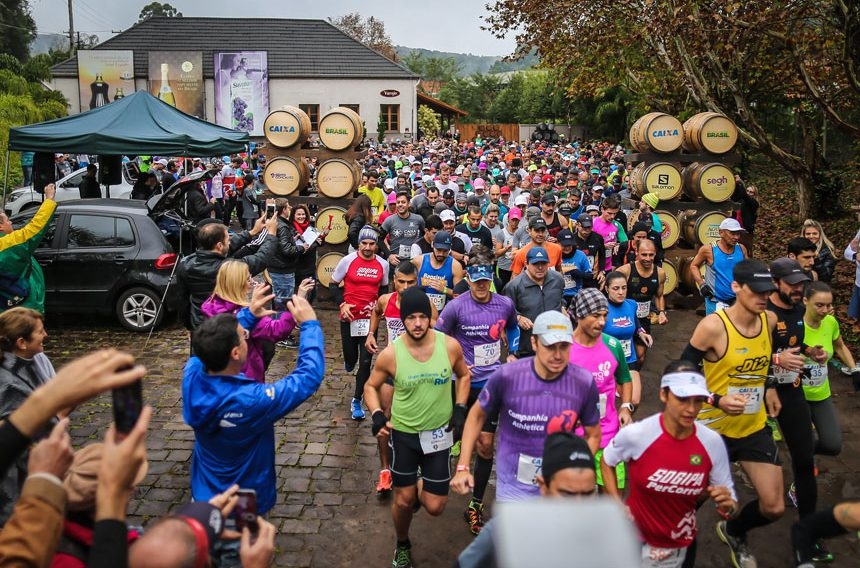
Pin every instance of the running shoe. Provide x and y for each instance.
(455, 449)
(474, 516)
(402, 557)
(821, 554)
(289, 343)
(741, 556)
(775, 431)
(792, 494)
(357, 410)
(383, 487)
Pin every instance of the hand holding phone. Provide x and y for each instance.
(246, 511)
(127, 405)
(270, 210)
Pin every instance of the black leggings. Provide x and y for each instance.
(795, 421)
(354, 352)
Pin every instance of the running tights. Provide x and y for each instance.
(826, 426)
(355, 353)
(795, 421)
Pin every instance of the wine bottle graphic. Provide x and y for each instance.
(165, 93)
(119, 94)
(99, 90)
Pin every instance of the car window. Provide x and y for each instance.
(86, 231)
(75, 180)
(48, 238)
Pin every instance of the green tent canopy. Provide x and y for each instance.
(136, 124)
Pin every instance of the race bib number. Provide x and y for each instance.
(487, 354)
(359, 327)
(437, 440)
(653, 557)
(753, 395)
(438, 300)
(643, 309)
(627, 346)
(528, 468)
(569, 281)
(601, 405)
(404, 252)
(722, 305)
(509, 241)
(590, 260)
(395, 328)
(815, 376)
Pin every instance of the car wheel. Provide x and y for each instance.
(138, 309)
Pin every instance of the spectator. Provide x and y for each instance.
(825, 251)
(90, 188)
(250, 203)
(27, 167)
(22, 282)
(360, 213)
(852, 254)
(282, 264)
(145, 186)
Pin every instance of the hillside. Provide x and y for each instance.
(470, 64)
(44, 42)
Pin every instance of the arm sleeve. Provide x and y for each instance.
(622, 373)
(33, 232)
(619, 448)
(12, 443)
(31, 534)
(258, 261)
(849, 253)
(110, 545)
(182, 303)
(275, 327)
(336, 293)
(247, 319)
(721, 473)
(354, 229)
(692, 354)
(512, 331)
(447, 320)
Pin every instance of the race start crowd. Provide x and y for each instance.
(518, 286)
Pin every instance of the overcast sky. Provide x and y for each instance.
(443, 25)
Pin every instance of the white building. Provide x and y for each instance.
(311, 64)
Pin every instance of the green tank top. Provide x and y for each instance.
(422, 391)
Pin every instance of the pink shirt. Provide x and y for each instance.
(609, 232)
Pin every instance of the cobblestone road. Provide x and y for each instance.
(327, 512)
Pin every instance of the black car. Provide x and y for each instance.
(105, 255)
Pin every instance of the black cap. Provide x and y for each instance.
(755, 274)
(788, 270)
(448, 194)
(499, 179)
(562, 450)
(565, 209)
(565, 237)
(548, 198)
(537, 223)
(585, 220)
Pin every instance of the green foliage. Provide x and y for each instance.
(428, 122)
(10, 63)
(158, 10)
(370, 31)
(19, 29)
(468, 64)
(441, 69)
(381, 127)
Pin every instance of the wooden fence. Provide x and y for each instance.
(468, 131)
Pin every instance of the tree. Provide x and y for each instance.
(19, 28)
(428, 121)
(474, 94)
(369, 31)
(442, 69)
(770, 66)
(158, 10)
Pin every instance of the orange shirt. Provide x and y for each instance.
(552, 249)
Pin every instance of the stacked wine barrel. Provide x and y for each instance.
(545, 133)
(338, 173)
(686, 167)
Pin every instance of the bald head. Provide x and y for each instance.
(168, 543)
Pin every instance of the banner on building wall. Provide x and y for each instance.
(242, 90)
(104, 75)
(176, 77)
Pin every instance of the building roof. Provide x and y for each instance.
(439, 106)
(296, 48)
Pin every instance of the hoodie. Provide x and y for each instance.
(233, 420)
(269, 328)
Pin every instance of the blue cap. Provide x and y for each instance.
(442, 240)
(537, 254)
(480, 272)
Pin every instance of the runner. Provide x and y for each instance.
(362, 273)
(673, 463)
(808, 532)
(592, 245)
(623, 323)
(476, 320)
(603, 357)
(734, 346)
(574, 267)
(388, 307)
(533, 397)
(605, 226)
(645, 282)
(420, 362)
(437, 271)
(402, 230)
(721, 257)
(538, 232)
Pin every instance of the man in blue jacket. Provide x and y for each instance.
(233, 416)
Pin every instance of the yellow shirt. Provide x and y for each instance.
(741, 370)
(377, 199)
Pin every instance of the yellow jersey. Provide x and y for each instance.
(741, 370)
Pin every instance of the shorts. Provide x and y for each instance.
(654, 557)
(620, 471)
(635, 365)
(758, 447)
(491, 423)
(407, 457)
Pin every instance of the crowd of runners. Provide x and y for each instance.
(495, 308)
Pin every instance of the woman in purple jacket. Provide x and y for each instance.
(233, 287)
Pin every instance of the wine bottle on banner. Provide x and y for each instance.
(165, 93)
(99, 91)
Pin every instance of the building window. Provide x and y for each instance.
(313, 112)
(352, 108)
(390, 115)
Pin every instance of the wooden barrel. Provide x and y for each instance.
(287, 126)
(337, 177)
(701, 229)
(671, 229)
(688, 285)
(713, 181)
(341, 128)
(284, 176)
(325, 267)
(657, 131)
(661, 178)
(332, 219)
(671, 277)
(710, 132)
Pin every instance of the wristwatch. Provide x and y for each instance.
(629, 406)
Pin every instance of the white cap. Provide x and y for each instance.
(390, 183)
(729, 224)
(447, 215)
(521, 200)
(162, 161)
(427, 179)
(685, 384)
(553, 327)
